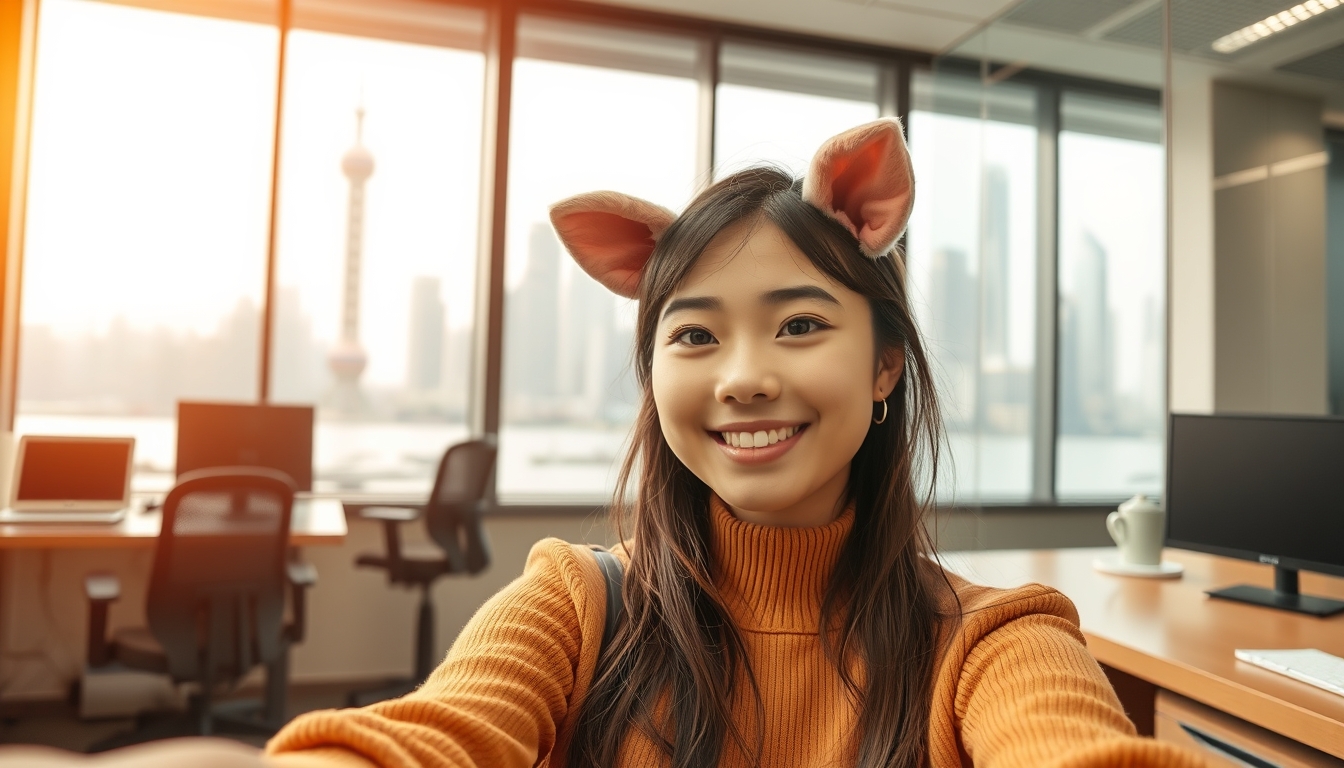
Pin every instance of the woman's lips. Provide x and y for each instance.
(765, 453)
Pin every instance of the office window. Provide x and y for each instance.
(379, 185)
(593, 108)
(971, 253)
(146, 225)
(777, 105)
(1112, 278)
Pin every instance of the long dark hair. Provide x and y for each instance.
(673, 666)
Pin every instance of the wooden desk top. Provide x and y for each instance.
(1170, 633)
(314, 521)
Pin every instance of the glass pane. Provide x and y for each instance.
(380, 168)
(1112, 278)
(146, 230)
(630, 125)
(777, 106)
(971, 251)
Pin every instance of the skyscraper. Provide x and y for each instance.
(424, 354)
(586, 337)
(1086, 349)
(347, 358)
(994, 266)
(953, 310)
(532, 329)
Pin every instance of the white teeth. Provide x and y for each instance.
(759, 439)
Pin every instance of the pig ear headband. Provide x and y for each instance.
(861, 178)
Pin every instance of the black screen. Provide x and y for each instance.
(230, 435)
(71, 470)
(1247, 486)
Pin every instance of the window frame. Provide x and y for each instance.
(896, 68)
(1050, 89)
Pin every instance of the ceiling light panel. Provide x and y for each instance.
(1270, 25)
(1196, 24)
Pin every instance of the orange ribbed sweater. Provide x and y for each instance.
(1017, 688)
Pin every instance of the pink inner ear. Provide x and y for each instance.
(609, 247)
(873, 196)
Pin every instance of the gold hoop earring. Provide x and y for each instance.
(884, 413)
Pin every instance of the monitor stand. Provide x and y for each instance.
(1284, 595)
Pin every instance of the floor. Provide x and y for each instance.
(57, 724)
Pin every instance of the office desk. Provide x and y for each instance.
(313, 521)
(1169, 633)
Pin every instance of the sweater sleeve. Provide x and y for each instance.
(498, 699)
(1030, 694)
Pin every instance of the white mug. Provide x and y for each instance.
(1138, 528)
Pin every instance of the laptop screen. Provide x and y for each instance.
(65, 469)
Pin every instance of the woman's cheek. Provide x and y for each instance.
(841, 393)
(676, 398)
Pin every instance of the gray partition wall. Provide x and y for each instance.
(1269, 165)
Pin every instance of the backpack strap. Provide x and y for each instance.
(613, 573)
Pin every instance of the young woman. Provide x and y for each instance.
(781, 604)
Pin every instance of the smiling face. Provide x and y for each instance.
(764, 375)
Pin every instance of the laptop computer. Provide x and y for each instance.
(69, 479)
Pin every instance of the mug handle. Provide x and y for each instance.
(1115, 525)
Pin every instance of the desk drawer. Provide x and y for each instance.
(1229, 740)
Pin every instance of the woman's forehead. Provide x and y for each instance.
(752, 255)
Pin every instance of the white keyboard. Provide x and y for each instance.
(1309, 665)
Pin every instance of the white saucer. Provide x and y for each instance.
(1111, 564)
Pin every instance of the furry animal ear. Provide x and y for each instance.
(611, 236)
(862, 178)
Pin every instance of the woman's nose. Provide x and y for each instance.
(747, 375)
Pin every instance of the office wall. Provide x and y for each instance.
(1270, 351)
(1248, 306)
(1192, 322)
(1334, 269)
(360, 628)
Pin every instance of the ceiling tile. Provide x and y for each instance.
(922, 25)
(1065, 15)
(1328, 64)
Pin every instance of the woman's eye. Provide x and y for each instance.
(695, 337)
(800, 326)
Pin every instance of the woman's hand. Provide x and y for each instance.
(173, 753)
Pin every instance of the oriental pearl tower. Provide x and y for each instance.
(347, 358)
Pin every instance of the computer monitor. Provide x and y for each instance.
(1262, 488)
(234, 434)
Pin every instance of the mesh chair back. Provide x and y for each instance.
(216, 592)
(452, 514)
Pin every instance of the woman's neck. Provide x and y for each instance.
(819, 508)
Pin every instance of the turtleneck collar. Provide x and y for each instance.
(773, 578)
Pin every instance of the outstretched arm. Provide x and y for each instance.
(498, 699)
(1030, 694)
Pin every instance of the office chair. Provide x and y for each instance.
(452, 520)
(216, 601)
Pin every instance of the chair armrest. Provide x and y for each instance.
(102, 589)
(301, 577)
(391, 518)
(391, 514)
(301, 574)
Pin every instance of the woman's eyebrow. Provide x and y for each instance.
(692, 302)
(785, 295)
